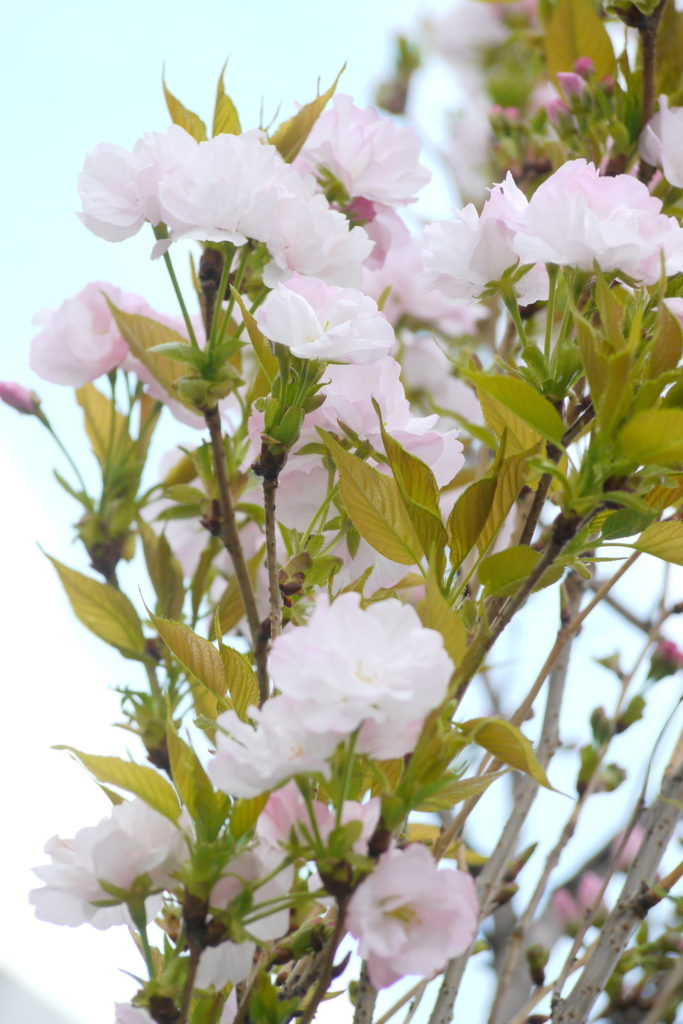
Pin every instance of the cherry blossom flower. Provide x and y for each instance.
(250, 760)
(319, 321)
(133, 841)
(18, 397)
(371, 156)
(464, 256)
(119, 188)
(228, 190)
(308, 237)
(286, 809)
(577, 218)
(661, 142)
(410, 917)
(80, 341)
(400, 272)
(349, 664)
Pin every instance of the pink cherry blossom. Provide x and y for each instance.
(308, 237)
(410, 917)
(133, 841)
(319, 321)
(426, 370)
(119, 188)
(464, 256)
(571, 84)
(661, 143)
(286, 809)
(406, 298)
(228, 190)
(577, 218)
(80, 341)
(349, 664)
(250, 760)
(371, 156)
(18, 397)
(631, 847)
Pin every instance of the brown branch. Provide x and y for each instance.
(229, 535)
(269, 489)
(648, 26)
(366, 998)
(327, 966)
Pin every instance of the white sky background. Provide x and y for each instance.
(73, 74)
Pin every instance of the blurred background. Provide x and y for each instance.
(75, 73)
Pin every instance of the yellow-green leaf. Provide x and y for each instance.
(574, 31)
(267, 360)
(507, 744)
(164, 571)
(653, 437)
(469, 517)
(664, 540)
(245, 814)
(519, 435)
(510, 479)
(134, 778)
(180, 115)
(230, 608)
(142, 334)
(435, 613)
(374, 505)
(291, 135)
(225, 117)
(242, 683)
(457, 790)
(105, 611)
(666, 497)
(106, 437)
(524, 401)
(192, 782)
(504, 572)
(667, 346)
(198, 656)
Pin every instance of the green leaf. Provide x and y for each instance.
(519, 435)
(105, 611)
(230, 608)
(666, 497)
(374, 505)
(663, 540)
(667, 346)
(197, 655)
(469, 517)
(291, 135)
(504, 572)
(653, 437)
(142, 335)
(245, 814)
(241, 681)
(225, 117)
(97, 414)
(164, 571)
(134, 778)
(574, 31)
(194, 786)
(453, 792)
(510, 480)
(264, 354)
(435, 613)
(625, 523)
(420, 495)
(507, 744)
(524, 401)
(180, 115)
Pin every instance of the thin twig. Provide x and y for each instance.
(405, 998)
(327, 967)
(647, 28)
(671, 982)
(230, 537)
(269, 489)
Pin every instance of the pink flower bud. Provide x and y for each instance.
(18, 397)
(571, 84)
(666, 660)
(588, 890)
(512, 113)
(565, 906)
(584, 66)
(554, 108)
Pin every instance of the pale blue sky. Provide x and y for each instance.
(74, 73)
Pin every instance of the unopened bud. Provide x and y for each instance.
(18, 397)
(537, 957)
(666, 660)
